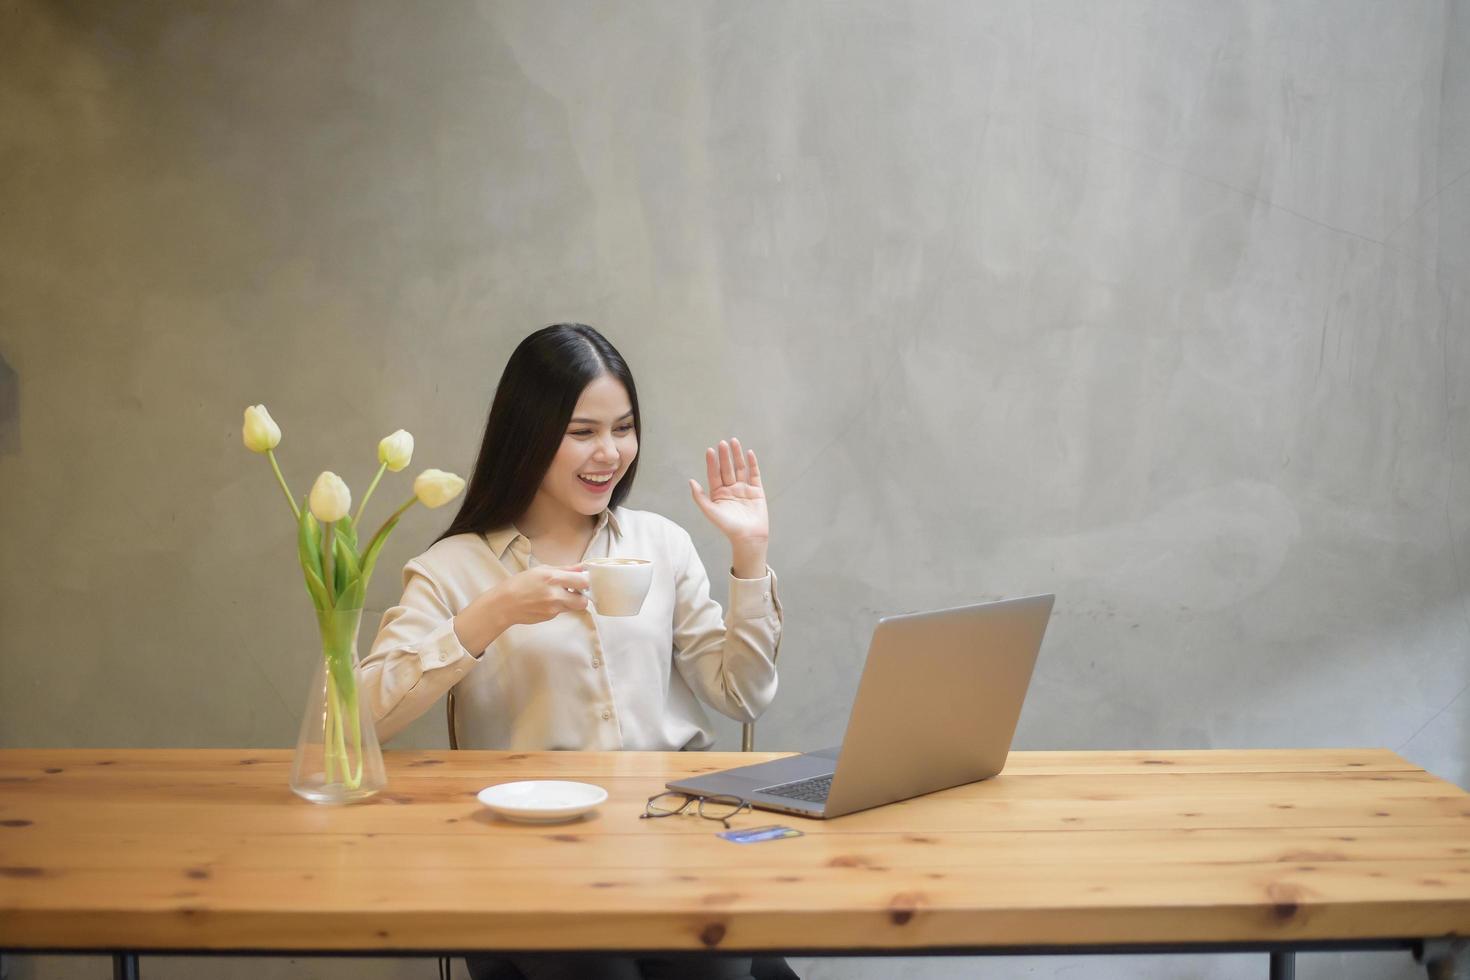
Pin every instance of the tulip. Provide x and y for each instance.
(396, 450)
(330, 498)
(435, 488)
(261, 433)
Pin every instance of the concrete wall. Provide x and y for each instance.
(1161, 306)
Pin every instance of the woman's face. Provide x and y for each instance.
(599, 445)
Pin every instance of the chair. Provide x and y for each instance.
(761, 967)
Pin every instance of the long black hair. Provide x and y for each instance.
(533, 403)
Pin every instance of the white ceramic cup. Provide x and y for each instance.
(619, 585)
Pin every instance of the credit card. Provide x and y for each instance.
(754, 835)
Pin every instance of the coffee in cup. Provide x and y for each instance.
(619, 585)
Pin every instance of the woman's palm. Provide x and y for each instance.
(736, 502)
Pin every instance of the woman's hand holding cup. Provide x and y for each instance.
(541, 593)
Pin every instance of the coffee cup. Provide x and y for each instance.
(619, 585)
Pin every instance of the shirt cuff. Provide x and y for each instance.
(441, 647)
(753, 598)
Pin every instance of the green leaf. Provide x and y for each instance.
(351, 597)
(346, 568)
(309, 550)
(370, 559)
(344, 530)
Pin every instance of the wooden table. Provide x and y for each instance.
(125, 851)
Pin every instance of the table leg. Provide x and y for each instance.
(1446, 959)
(1283, 966)
(124, 966)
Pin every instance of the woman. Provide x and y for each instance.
(494, 608)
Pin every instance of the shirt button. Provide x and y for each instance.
(765, 595)
(606, 715)
(596, 662)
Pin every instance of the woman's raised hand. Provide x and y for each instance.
(736, 502)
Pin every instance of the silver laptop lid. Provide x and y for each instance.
(938, 702)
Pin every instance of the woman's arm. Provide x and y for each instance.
(424, 646)
(417, 655)
(731, 665)
(728, 661)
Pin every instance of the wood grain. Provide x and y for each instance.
(208, 849)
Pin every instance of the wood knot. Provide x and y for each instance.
(52, 772)
(15, 823)
(425, 762)
(1157, 762)
(901, 907)
(712, 934)
(1285, 901)
(918, 839)
(566, 838)
(198, 874)
(22, 871)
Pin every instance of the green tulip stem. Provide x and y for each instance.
(295, 511)
(329, 748)
(371, 487)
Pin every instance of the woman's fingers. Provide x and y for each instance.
(731, 464)
(571, 580)
(712, 464)
(727, 467)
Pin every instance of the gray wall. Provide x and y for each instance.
(1161, 306)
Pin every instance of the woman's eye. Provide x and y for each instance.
(588, 432)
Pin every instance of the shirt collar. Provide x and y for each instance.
(502, 538)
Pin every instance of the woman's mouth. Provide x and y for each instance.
(593, 486)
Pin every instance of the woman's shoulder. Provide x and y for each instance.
(453, 553)
(646, 525)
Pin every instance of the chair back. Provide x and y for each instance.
(747, 730)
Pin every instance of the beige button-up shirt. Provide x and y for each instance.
(579, 681)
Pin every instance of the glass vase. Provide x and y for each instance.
(338, 759)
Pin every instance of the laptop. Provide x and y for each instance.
(936, 707)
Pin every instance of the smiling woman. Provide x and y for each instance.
(496, 608)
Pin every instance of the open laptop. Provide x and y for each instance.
(937, 706)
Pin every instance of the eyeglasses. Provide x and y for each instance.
(720, 808)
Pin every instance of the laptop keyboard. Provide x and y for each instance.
(813, 790)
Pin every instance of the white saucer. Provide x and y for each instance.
(542, 800)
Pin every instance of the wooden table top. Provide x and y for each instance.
(209, 850)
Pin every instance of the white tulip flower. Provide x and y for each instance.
(330, 498)
(435, 488)
(261, 433)
(396, 450)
